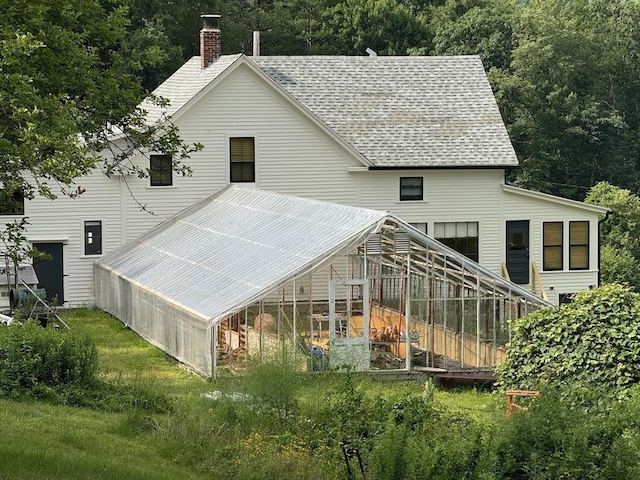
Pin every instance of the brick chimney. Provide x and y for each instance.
(210, 40)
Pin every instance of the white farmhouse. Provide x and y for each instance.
(420, 137)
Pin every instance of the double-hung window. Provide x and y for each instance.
(93, 238)
(552, 246)
(161, 170)
(243, 160)
(578, 245)
(411, 188)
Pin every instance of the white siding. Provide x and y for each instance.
(539, 211)
(452, 195)
(292, 156)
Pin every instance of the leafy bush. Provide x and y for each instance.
(593, 341)
(33, 359)
(61, 367)
(557, 438)
(274, 383)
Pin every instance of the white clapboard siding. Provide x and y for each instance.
(451, 195)
(294, 155)
(541, 209)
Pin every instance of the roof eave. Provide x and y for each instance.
(552, 198)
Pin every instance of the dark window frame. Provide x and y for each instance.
(574, 244)
(242, 159)
(93, 237)
(406, 186)
(469, 246)
(548, 247)
(15, 207)
(160, 170)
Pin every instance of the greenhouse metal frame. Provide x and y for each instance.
(247, 274)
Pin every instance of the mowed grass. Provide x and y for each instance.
(42, 441)
(124, 355)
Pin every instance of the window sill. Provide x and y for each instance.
(566, 270)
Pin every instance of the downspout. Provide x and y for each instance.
(600, 222)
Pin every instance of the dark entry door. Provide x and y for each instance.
(50, 273)
(518, 251)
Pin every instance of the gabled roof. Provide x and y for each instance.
(184, 84)
(238, 245)
(397, 112)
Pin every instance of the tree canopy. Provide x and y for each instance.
(620, 234)
(566, 74)
(69, 83)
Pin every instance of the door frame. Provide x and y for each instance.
(525, 279)
(350, 352)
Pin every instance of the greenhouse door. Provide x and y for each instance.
(349, 325)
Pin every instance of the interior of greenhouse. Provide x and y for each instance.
(399, 300)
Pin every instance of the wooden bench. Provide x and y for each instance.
(511, 394)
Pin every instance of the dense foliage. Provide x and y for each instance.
(61, 366)
(274, 422)
(565, 74)
(620, 234)
(345, 426)
(69, 83)
(556, 437)
(32, 357)
(593, 342)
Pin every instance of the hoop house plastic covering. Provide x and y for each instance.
(215, 258)
(242, 247)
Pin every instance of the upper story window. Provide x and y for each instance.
(243, 160)
(161, 170)
(411, 188)
(578, 245)
(461, 236)
(12, 205)
(93, 238)
(552, 246)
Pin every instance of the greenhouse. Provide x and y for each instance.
(248, 274)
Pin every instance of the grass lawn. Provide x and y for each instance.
(200, 439)
(122, 354)
(43, 442)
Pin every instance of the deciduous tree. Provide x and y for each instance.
(67, 88)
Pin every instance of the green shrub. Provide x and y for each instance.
(593, 342)
(274, 383)
(558, 438)
(33, 358)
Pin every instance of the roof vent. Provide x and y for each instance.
(256, 43)
(372, 53)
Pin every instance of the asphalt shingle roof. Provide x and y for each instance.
(410, 111)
